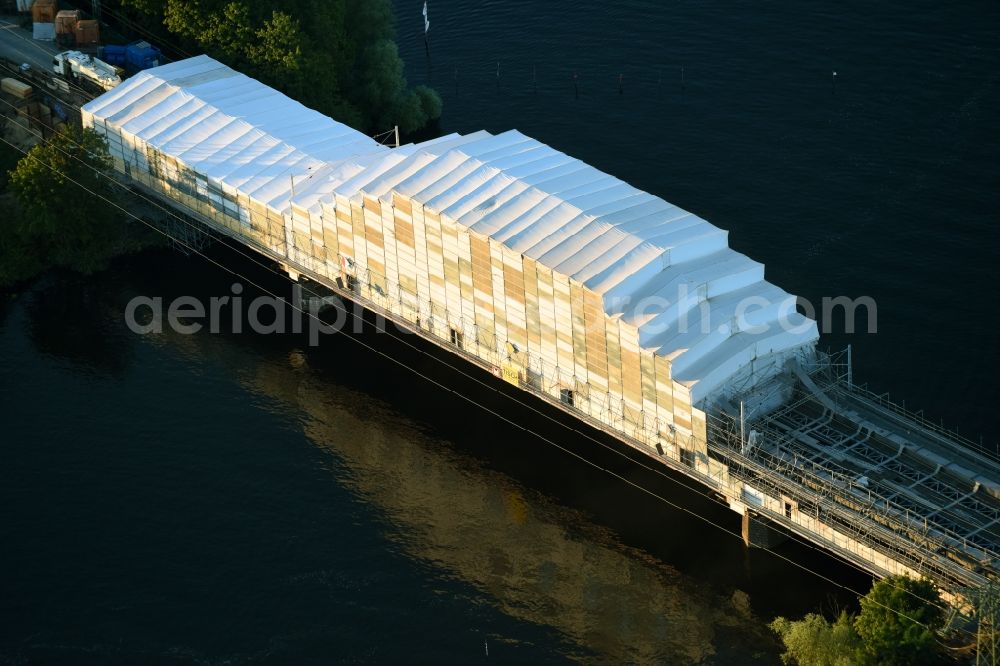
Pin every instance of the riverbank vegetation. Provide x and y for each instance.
(897, 626)
(338, 56)
(59, 209)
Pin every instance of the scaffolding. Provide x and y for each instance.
(810, 453)
(886, 490)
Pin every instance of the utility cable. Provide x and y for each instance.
(143, 31)
(454, 368)
(255, 259)
(38, 46)
(470, 400)
(450, 366)
(17, 72)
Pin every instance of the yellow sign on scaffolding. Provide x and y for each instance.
(511, 374)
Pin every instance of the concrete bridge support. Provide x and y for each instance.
(757, 532)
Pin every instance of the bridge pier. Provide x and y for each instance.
(757, 532)
(755, 489)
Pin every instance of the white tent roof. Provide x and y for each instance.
(662, 269)
(229, 127)
(658, 267)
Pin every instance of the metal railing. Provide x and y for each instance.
(868, 518)
(839, 481)
(833, 494)
(883, 400)
(877, 523)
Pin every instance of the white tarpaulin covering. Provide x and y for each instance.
(228, 127)
(660, 268)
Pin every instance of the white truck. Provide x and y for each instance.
(77, 65)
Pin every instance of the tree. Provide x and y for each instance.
(898, 621)
(9, 157)
(278, 47)
(813, 641)
(64, 218)
(17, 258)
(896, 627)
(336, 56)
(379, 85)
(224, 30)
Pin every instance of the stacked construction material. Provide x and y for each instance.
(66, 21)
(88, 32)
(15, 88)
(43, 15)
(44, 11)
(32, 114)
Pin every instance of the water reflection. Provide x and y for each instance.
(535, 559)
(70, 317)
(541, 562)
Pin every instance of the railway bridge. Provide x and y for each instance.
(534, 266)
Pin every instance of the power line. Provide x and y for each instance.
(466, 398)
(255, 260)
(50, 93)
(143, 31)
(35, 44)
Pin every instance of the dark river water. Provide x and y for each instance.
(224, 498)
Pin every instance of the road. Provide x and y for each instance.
(16, 44)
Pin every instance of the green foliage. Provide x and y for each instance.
(430, 101)
(278, 48)
(896, 627)
(813, 641)
(336, 56)
(44, 183)
(18, 260)
(380, 77)
(224, 30)
(59, 222)
(9, 157)
(370, 21)
(381, 88)
(898, 620)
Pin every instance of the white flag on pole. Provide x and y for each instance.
(427, 21)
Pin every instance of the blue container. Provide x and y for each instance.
(113, 55)
(140, 56)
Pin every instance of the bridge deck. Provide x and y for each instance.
(924, 501)
(930, 489)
